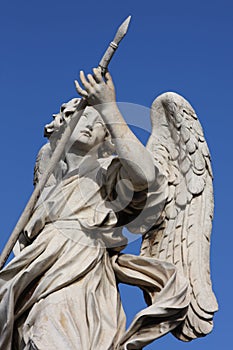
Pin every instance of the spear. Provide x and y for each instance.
(58, 152)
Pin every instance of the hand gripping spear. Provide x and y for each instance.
(58, 152)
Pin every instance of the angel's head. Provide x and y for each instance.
(90, 134)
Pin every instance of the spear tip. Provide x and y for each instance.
(126, 22)
(122, 30)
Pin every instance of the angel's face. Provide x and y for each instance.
(90, 131)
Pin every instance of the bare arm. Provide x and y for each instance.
(135, 158)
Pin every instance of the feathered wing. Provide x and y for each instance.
(42, 161)
(183, 238)
(41, 165)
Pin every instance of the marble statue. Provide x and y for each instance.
(61, 289)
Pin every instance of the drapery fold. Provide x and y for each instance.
(75, 304)
(60, 292)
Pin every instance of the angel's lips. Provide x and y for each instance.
(86, 132)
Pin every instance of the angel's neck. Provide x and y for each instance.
(73, 160)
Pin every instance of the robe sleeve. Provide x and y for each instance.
(137, 210)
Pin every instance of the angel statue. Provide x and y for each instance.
(60, 291)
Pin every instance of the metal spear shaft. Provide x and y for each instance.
(58, 152)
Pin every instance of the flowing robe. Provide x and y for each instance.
(60, 292)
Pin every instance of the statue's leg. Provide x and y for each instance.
(85, 314)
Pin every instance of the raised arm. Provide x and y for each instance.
(136, 160)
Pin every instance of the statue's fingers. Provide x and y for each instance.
(97, 75)
(109, 80)
(91, 80)
(79, 90)
(84, 81)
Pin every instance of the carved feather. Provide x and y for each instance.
(42, 162)
(183, 238)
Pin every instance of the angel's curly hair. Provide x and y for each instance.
(54, 129)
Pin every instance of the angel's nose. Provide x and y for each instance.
(89, 126)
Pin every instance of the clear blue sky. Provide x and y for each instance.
(182, 46)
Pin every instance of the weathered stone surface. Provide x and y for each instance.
(60, 291)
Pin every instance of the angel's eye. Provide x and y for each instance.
(99, 124)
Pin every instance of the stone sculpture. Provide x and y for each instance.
(61, 289)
